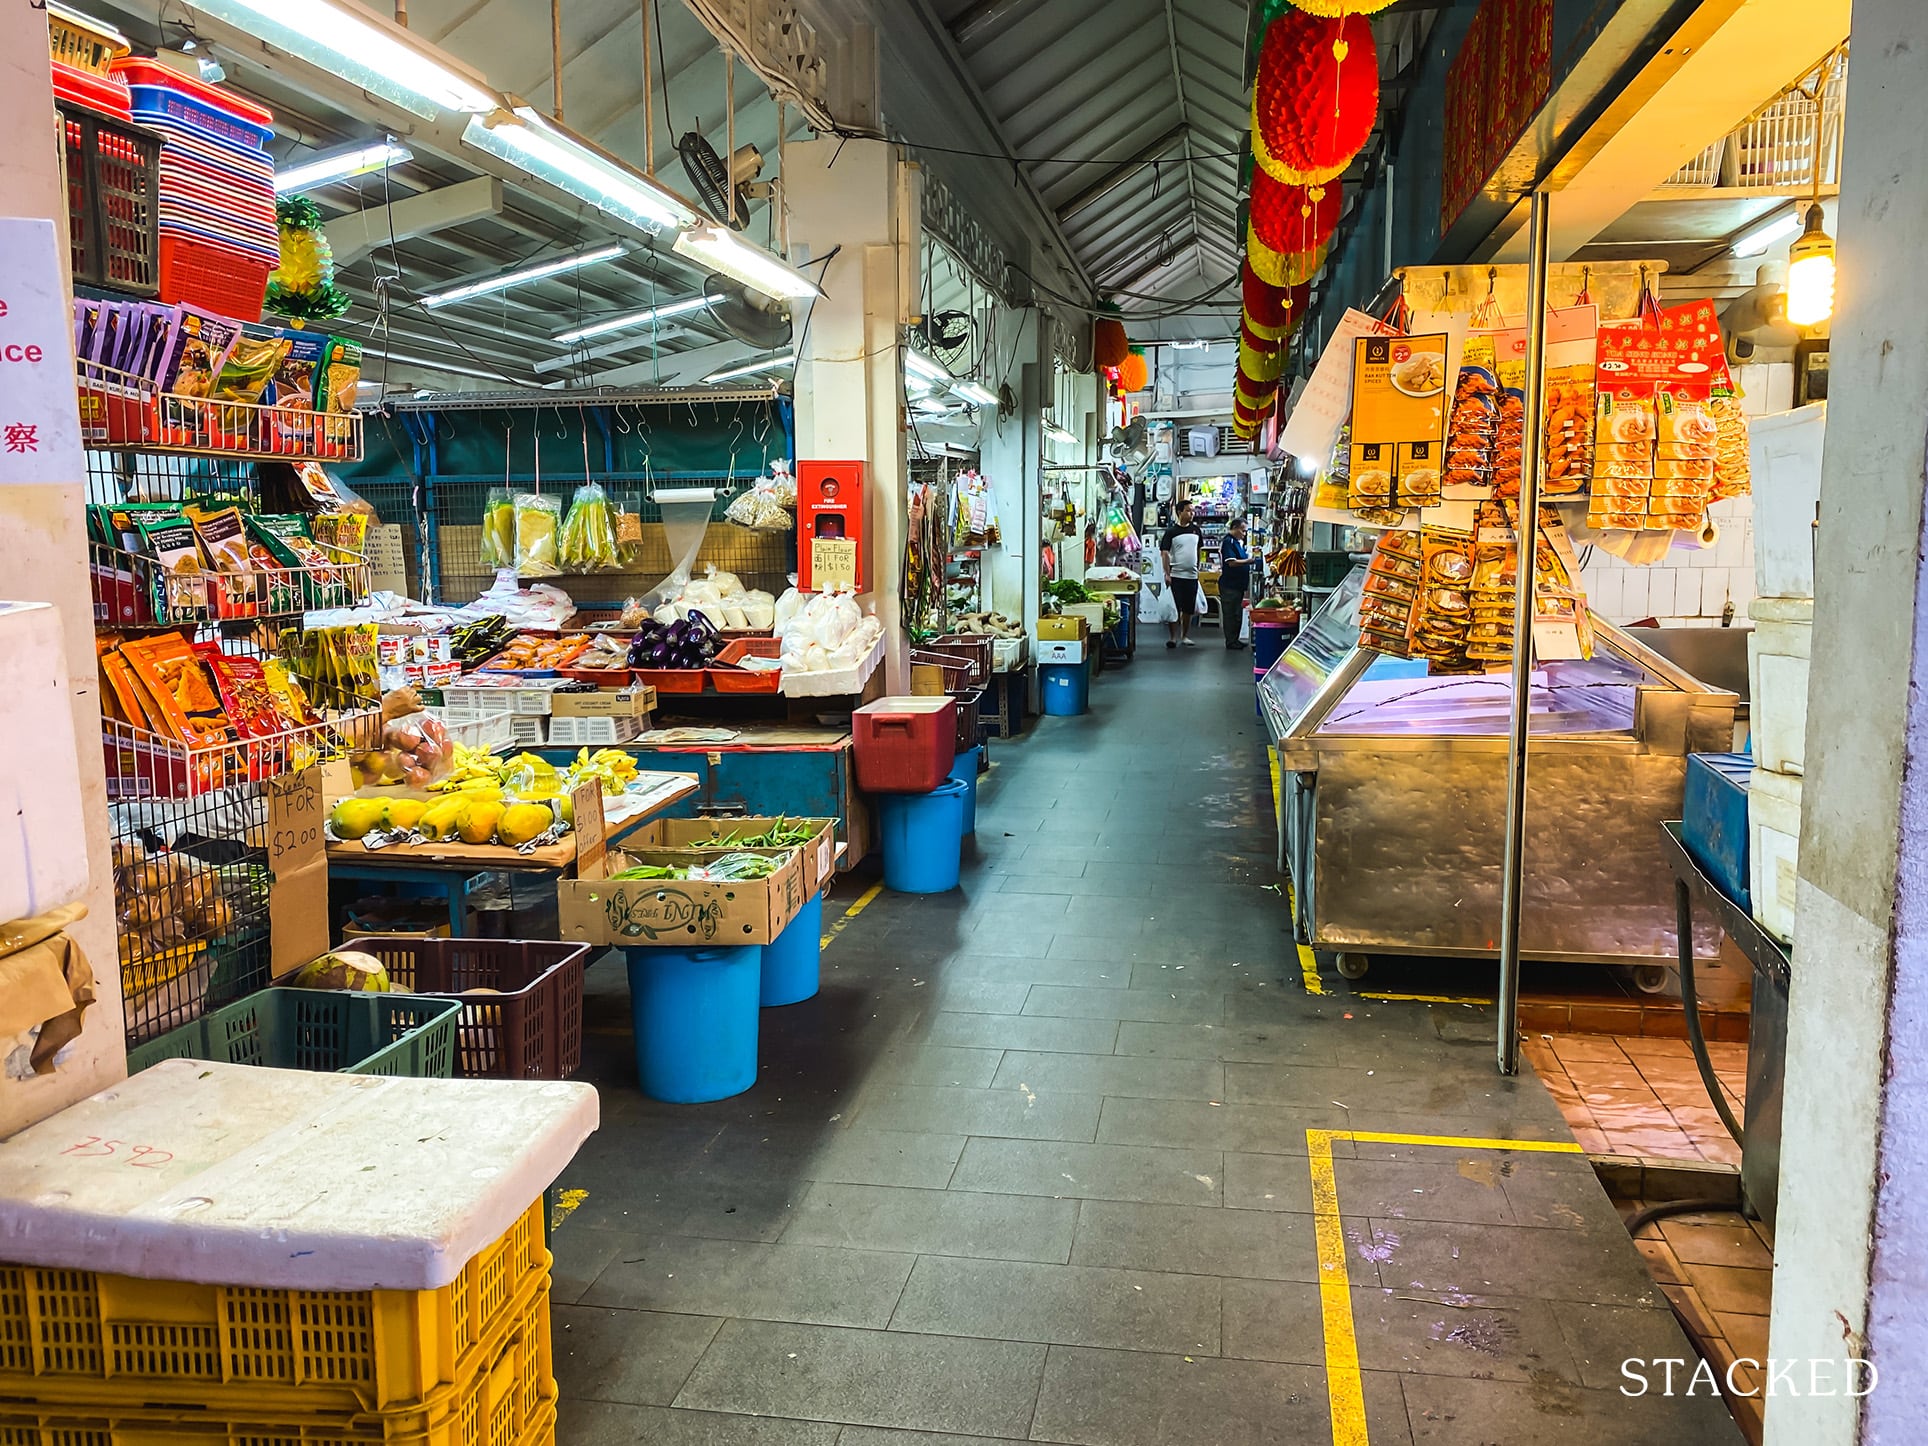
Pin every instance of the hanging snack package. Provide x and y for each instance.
(1684, 453)
(1625, 426)
(1474, 423)
(538, 521)
(1394, 579)
(180, 583)
(498, 529)
(196, 351)
(336, 382)
(251, 364)
(629, 535)
(588, 541)
(1732, 475)
(1445, 603)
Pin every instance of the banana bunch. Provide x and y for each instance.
(615, 768)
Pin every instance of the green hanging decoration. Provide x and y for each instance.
(303, 286)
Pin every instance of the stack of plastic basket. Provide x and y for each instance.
(217, 226)
(313, 1278)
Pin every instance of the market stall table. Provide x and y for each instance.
(448, 870)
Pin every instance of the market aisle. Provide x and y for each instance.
(1034, 1165)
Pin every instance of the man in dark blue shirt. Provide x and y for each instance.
(1234, 577)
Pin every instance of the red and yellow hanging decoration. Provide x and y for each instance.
(1292, 219)
(1133, 373)
(1315, 95)
(1109, 345)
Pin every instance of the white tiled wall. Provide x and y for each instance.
(1686, 585)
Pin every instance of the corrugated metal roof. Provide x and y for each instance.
(1128, 116)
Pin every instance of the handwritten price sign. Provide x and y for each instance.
(138, 1157)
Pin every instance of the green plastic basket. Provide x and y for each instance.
(319, 1029)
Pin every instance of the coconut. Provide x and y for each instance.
(348, 969)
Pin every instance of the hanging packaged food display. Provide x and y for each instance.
(1398, 420)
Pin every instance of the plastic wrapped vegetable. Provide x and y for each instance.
(498, 529)
(588, 532)
(538, 519)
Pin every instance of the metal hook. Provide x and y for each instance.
(622, 420)
(1492, 280)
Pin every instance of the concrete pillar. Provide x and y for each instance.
(1011, 453)
(1852, 1233)
(43, 539)
(858, 195)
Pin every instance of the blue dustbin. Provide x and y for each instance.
(695, 1017)
(923, 836)
(1064, 688)
(964, 770)
(790, 961)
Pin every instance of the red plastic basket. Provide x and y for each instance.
(105, 94)
(113, 200)
(671, 680)
(217, 278)
(521, 1001)
(601, 677)
(904, 745)
(135, 70)
(729, 677)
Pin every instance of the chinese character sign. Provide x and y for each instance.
(39, 404)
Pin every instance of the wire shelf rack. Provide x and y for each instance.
(132, 590)
(147, 765)
(120, 410)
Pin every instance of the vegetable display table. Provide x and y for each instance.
(449, 871)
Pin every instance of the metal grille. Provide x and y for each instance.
(1774, 151)
(453, 517)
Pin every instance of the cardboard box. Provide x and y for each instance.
(1067, 628)
(1093, 614)
(687, 913)
(1061, 652)
(637, 702)
(712, 835)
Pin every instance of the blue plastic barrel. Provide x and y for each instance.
(1065, 689)
(923, 836)
(790, 973)
(964, 770)
(695, 1017)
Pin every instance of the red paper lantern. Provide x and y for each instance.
(1315, 96)
(1282, 268)
(1294, 218)
(1256, 341)
(1109, 345)
(1264, 303)
(1253, 392)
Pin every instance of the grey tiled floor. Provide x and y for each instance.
(1033, 1166)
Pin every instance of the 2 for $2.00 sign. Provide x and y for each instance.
(39, 406)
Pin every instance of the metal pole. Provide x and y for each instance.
(1527, 546)
(555, 51)
(649, 100)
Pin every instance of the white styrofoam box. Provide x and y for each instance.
(593, 732)
(231, 1175)
(1773, 848)
(43, 848)
(1777, 680)
(1061, 652)
(1784, 454)
(1006, 654)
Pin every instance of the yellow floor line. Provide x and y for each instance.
(1345, 1394)
(852, 912)
(1345, 1391)
(1427, 998)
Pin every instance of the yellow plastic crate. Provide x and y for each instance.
(511, 1403)
(84, 44)
(68, 1335)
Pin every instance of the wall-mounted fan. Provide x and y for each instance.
(945, 334)
(726, 191)
(1131, 443)
(747, 315)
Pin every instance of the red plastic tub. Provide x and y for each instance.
(729, 677)
(671, 680)
(904, 745)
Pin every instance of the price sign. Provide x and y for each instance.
(39, 401)
(298, 905)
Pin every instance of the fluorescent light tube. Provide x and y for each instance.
(491, 284)
(361, 47)
(340, 166)
(569, 163)
(721, 249)
(976, 393)
(750, 369)
(1761, 237)
(402, 360)
(638, 318)
(1057, 433)
(919, 365)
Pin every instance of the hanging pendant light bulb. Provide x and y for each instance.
(1810, 274)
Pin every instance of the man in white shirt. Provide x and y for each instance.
(1179, 548)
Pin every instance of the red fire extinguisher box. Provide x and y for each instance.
(830, 526)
